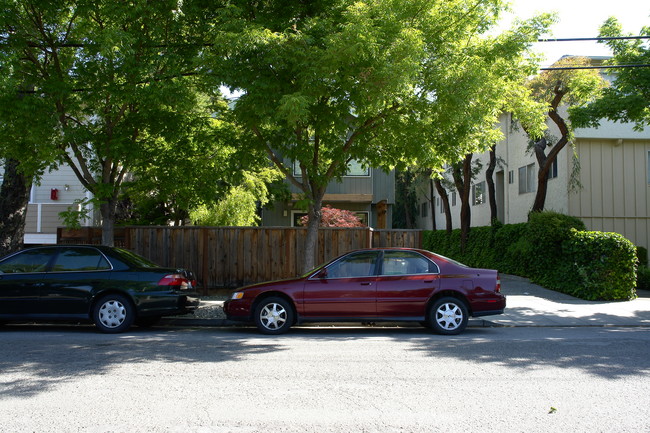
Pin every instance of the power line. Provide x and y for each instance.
(568, 68)
(609, 38)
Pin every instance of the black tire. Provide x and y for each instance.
(147, 322)
(273, 316)
(113, 313)
(448, 316)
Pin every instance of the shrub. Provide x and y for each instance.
(602, 266)
(643, 279)
(553, 250)
(540, 249)
(642, 255)
(332, 217)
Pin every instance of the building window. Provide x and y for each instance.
(552, 172)
(425, 210)
(511, 177)
(354, 170)
(453, 198)
(527, 179)
(478, 193)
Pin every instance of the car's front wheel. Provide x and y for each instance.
(113, 313)
(448, 316)
(274, 315)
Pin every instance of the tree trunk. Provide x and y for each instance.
(313, 224)
(444, 197)
(433, 208)
(14, 197)
(489, 179)
(463, 179)
(107, 210)
(544, 161)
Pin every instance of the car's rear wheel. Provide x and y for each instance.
(113, 313)
(274, 315)
(448, 316)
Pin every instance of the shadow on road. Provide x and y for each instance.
(43, 356)
(36, 358)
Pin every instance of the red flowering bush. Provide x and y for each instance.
(332, 217)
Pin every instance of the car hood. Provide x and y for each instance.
(270, 284)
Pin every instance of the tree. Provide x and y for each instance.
(489, 179)
(490, 79)
(117, 78)
(240, 206)
(444, 197)
(628, 99)
(463, 173)
(555, 88)
(325, 83)
(27, 129)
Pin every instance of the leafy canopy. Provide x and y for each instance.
(628, 99)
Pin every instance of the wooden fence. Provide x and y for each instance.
(236, 256)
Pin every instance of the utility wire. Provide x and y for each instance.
(568, 68)
(609, 38)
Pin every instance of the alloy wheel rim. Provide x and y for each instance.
(273, 316)
(112, 314)
(449, 316)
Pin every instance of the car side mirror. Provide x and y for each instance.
(322, 273)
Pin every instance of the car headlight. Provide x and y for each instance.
(237, 295)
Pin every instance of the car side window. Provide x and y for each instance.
(407, 263)
(80, 259)
(354, 265)
(27, 262)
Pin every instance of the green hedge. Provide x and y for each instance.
(604, 266)
(553, 250)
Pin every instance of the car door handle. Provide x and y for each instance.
(428, 281)
(366, 284)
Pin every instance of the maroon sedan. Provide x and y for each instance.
(387, 284)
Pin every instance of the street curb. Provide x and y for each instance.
(225, 323)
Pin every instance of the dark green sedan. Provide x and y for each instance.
(111, 287)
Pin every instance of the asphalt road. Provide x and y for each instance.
(204, 380)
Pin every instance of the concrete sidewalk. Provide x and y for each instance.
(531, 305)
(528, 305)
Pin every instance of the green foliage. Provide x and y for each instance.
(239, 207)
(541, 246)
(553, 250)
(80, 210)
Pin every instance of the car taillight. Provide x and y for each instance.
(175, 280)
(498, 287)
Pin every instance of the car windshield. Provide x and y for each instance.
(134, 259)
